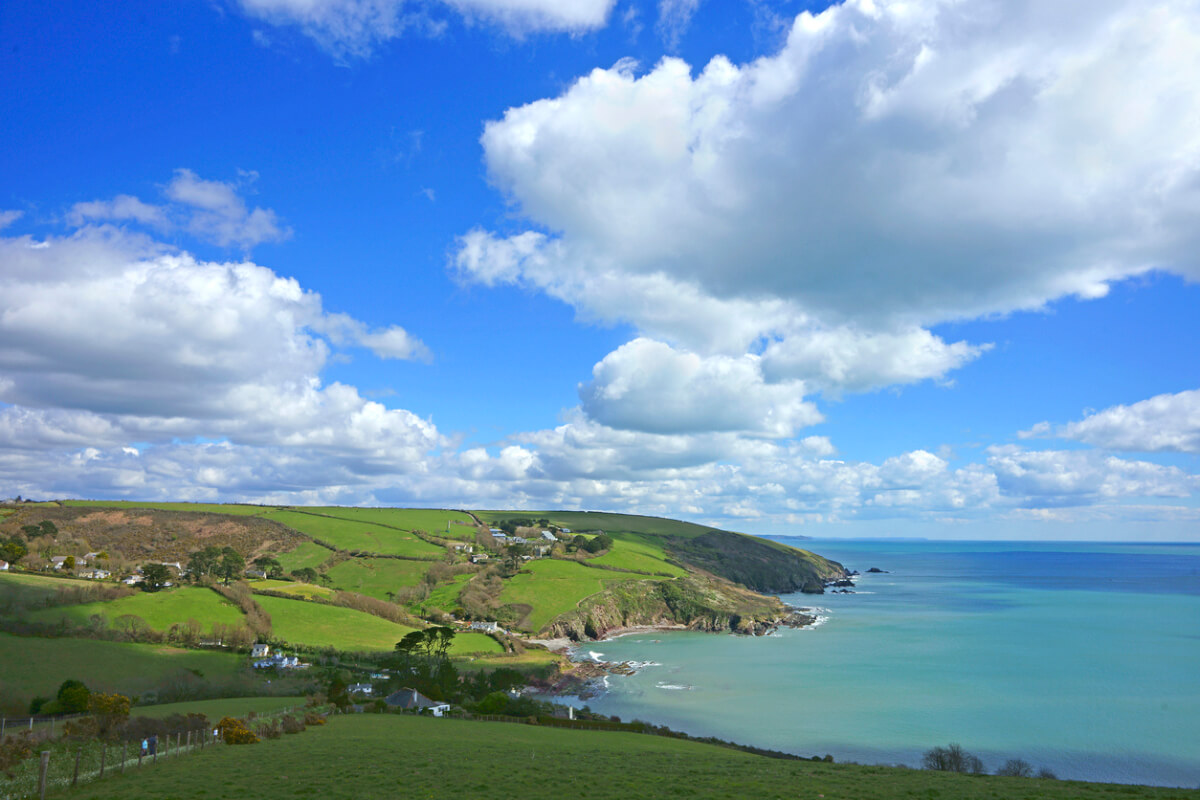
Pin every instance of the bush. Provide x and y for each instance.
(234, 731)
(289, 724)
(313, 718)
(1046, 774)
(271, 729)
(952, 759)
(1016, 768)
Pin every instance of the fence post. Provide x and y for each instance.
(43, 768)
(75, 775)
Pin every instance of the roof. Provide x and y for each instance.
(411, 698)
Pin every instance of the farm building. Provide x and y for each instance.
(413, 700)
(360, 688)
(260, 650)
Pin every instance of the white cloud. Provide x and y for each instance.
(210, 210)
(674, 16)
(356, 27)
(1162, 424)
(1048, 478)
(9, 217)
(894, 166)
(648, 386)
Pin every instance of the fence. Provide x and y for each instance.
(62, 763)
(17, 724)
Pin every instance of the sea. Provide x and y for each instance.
(1080, 658)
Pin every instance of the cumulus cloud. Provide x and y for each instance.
(212, 211)
(892, 167)
(649, 386)
(356, 27)
(1076, 477)
(1166, 423)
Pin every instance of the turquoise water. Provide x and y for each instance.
(1082, 658)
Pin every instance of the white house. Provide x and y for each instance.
(95, 574)
(3, 565)
(549, 537)
(280, 662)
(58, 561)
(486, 627)
(463, 548)
(413, 700)
(564, 530)
(360, 688)
(260, 650)
(133, 580)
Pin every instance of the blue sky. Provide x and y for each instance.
(921, 269)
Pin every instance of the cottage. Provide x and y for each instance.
(564, 530)
(260, 650)
(278, 661)
(479, 558)
(3, 565)
(256, 573)
(58, 561)
(360, 688)
(91, 556)
(133, 580)
(463, 548)
(413, 700)
(487, 627)
(518, 540)
(500, 537)
(95, 574)
(549, 537)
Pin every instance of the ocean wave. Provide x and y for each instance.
(674, 687)
(597, 657)
(639, 665)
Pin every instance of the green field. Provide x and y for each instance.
(208, 508)
(353, 535)
(320, 625)
(35, 665)
(445, 595)
(308, 554)
(32, 589)
(378, 756)
(430, 520)
(552, 587)
(160, 609)
(474, 643)
(377, 576)
(303, 590)
(637, 552)
(215, 709)
(580, 521)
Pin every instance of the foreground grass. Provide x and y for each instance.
(32, 665)
(388, 756)
(160, 609)
(302, 622)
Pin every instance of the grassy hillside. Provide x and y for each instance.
(377, 576)
(319, 625)
(430, 520)
(304, 591)
(305, 554)
(549, 588)
(33, 665)
(385, 756)
(206, 508)
(348, 534)
(216, 709)
(160, 610)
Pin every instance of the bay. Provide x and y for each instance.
(1081, 658)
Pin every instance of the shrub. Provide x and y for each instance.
(313, 718)
(14, 750)
(271, 729)
(952, 759)
(1016, 768)
(1047, 774)
(289, 724)
(234, 731)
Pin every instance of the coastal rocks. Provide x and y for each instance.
(877, 570)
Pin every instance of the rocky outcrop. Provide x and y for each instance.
(759, 564)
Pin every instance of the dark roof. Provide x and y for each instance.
(410, 698)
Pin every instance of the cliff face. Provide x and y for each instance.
(698, 602)
(758, 564)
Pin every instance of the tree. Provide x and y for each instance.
(69, 563)
(1016, 768)
(410, 645)
(232, 565)
(952, 759)
(73, 697)
(270, 566)
(156, 576)
(598, 543)
(307, 575)
(109, 710)
(204, 562)
(438, 641)
(13, 549)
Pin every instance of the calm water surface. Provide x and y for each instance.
(1083, 658)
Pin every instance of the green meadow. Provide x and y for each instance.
(378, 756)
(551, 587)
(377, 576)
(223, 707)
(30, 589)
(307, 554)
(581, 521)
(160, 609)
(320, 625)
(301, 590)
(353, 535)
(639, 553)
(445, 595)
(430, 520)
(35, 665)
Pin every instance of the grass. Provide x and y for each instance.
(302, 590)
(471, 643)
(637, 552)
(430, 520)
(319, 625)
(580, 521)
(160, 609)
(27, 588)
(372, 757)
(215, 709)
(34, 665)
(377, 576)
(208, 508)
(552, 587)
(445, 595)
(308, 554)
(353, 535)
(532, 660)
